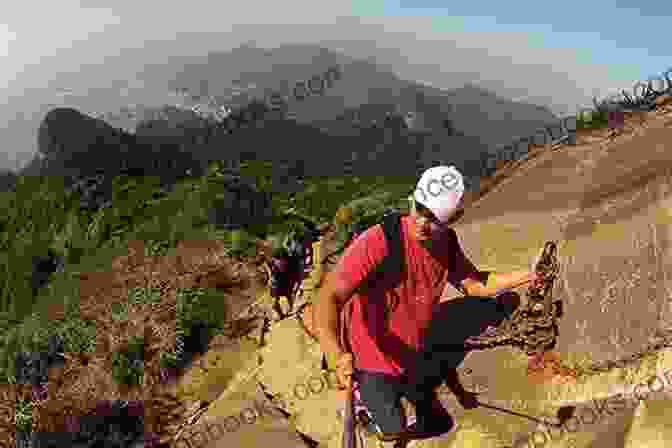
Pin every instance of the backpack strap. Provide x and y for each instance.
(392, 263)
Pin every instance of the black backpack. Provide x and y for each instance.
(361, 226)
(394, 261)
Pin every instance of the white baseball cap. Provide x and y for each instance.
(440, 189)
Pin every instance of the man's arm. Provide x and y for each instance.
(330, 300)
(355, 265)
(477, 283)
(496, 282)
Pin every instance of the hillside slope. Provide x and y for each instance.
(606, 201)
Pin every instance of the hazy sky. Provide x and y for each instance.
(557, 53)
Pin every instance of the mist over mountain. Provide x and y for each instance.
(479, 120)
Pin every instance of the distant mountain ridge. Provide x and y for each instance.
(479, 120)
(474, 111)
(449, 126)
(249, 72)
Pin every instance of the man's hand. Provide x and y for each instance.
(533, 278)
(533, 267)
(344, 368)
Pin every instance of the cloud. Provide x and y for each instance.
(45, 32)
(60, 36)
(504, 58)
(6, 37)
(446, 56)
(435, 49)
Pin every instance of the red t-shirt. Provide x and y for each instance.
(391, 349)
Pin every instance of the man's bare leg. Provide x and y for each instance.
(467, 399)
(291, 297)
(453, 382)
(277, 308)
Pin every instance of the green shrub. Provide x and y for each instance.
(168, 360)
(79, 335)
(119, 312)
(592, 120)
(9, 347)
(32, 335)
(141, 295)
(237, 243)
(24, 416)
(123, 372)
(123, 369)
(199, 304)
(40, 214)
(136, 344)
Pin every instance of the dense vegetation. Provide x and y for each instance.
(42, 214)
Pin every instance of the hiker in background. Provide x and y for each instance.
(284, 277)
(381, 338)
(302, 238)
(291, 260)
(312, 234)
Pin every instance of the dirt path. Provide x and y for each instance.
(227, 370)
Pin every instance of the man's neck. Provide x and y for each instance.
(432, 244)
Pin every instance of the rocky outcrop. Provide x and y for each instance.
(75, 143)
(76, 146)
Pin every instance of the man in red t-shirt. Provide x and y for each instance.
(395, 334)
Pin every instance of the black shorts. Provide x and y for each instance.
(443, 349)
(283, 284)
(381, 394)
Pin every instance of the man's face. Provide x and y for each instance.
(427, 226)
